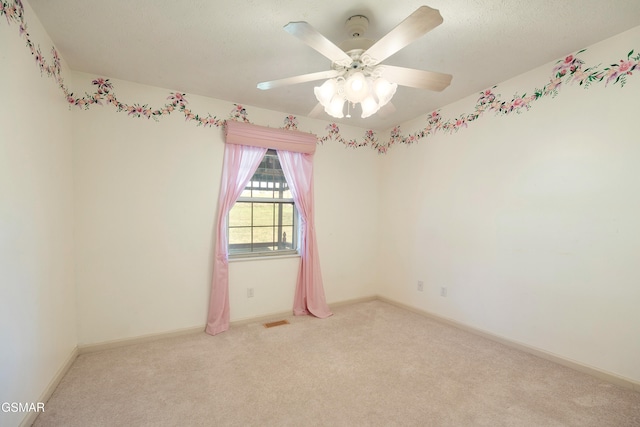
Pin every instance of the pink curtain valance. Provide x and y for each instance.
(260, 136)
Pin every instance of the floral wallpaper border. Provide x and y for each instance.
(569, 70)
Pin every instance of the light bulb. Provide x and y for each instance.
(356, 88)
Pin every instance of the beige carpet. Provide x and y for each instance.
(370, 364)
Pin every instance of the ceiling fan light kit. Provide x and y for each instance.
(356, 76)
(370, 93)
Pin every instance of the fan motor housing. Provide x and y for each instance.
(357, 25)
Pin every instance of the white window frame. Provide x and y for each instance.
(252, 252)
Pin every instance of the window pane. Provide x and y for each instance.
(287, 213)
(286, 194)
(240, 215)
(263, 238)
(239, 236)
(263, 214)
(287, 238)
(263, 193)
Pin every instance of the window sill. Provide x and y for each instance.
(241, 258)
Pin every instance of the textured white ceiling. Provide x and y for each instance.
(223, 49)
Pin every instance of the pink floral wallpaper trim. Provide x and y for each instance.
(570, 70)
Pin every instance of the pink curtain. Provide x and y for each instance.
(309, 296)
(240, 163)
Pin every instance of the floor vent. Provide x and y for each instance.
(276, 323)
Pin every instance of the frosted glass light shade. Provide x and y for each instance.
(326, 92)
(384, 90)
(335, 107)
(369, 107)
(356, 87)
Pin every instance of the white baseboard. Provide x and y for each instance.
(354, 301)
(260, 319)
(289, 313)
(107, 345)
(581, 367)
(31, 416)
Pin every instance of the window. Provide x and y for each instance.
(264, 220)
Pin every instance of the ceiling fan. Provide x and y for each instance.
(356, 75)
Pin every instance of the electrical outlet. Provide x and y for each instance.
(249, 292)
(420, 285)
(443, 291)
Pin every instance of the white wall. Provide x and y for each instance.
(530, 220)
(37, 293)
(146, 195)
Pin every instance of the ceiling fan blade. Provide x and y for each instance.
(386, 110)
(303, 78)
(420, 79)
(317, 110)
(305, 32)
(420, 22)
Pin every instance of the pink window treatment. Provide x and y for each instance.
(245, 147)
(278, 139)
(240, 162)
(309, 296)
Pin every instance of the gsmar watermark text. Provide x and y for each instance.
(22, 407)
